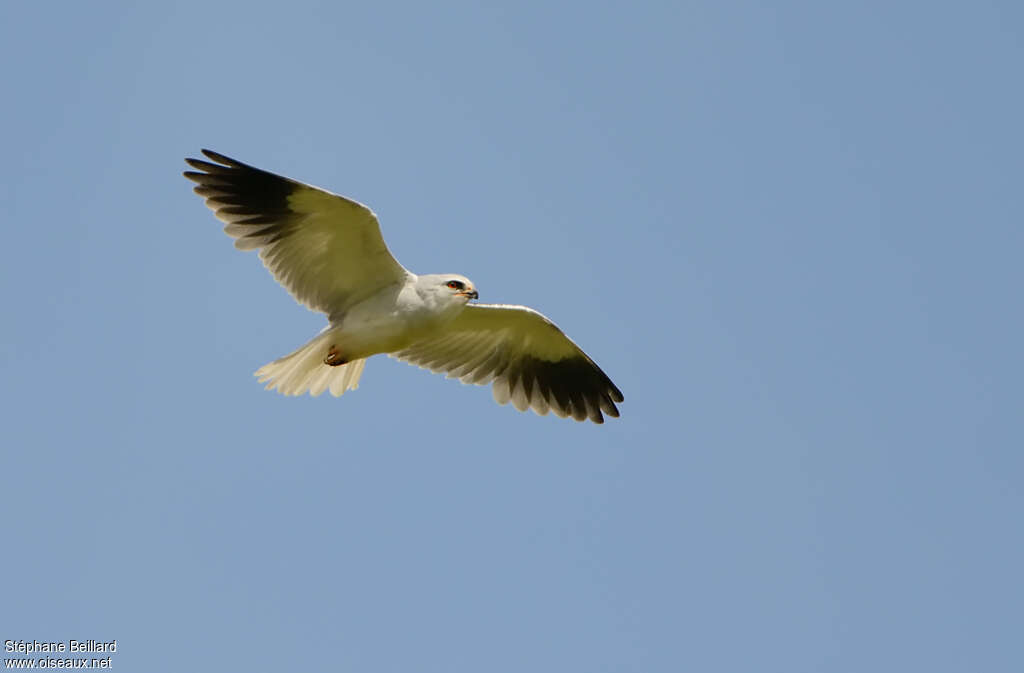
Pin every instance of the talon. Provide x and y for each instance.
(334, 357)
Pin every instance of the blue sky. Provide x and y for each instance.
(791, 234)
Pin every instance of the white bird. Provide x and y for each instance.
(327, 251)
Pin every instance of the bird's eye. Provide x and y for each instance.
(455, 285)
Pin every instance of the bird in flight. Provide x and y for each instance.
(327, 251)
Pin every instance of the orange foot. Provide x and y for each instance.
(334, 357)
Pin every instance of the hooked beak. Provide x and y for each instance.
(471, 294)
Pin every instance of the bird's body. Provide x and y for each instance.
(393, 318)
(328, 252)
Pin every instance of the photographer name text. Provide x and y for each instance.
(33, 646)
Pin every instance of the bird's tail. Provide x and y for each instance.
(304, 370)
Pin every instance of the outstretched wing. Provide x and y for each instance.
(532, 363)
(325, 249)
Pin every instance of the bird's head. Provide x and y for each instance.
(446, 290)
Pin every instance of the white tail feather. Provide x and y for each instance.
(304, 370)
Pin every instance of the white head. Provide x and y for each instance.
(446, 289)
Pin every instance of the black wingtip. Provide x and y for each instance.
(222, 159)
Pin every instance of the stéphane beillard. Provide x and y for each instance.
(32, 646)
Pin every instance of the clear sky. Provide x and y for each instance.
(790, 232)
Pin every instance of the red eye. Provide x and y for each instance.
(454, 284)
